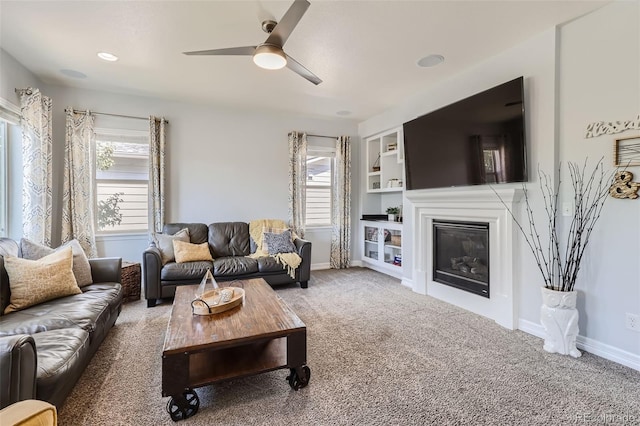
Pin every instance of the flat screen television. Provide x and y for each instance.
(478, 140)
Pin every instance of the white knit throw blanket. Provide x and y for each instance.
(290, 261)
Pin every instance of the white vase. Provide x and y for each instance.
(391, 217)
(559, 317)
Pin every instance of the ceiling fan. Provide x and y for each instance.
(270, 54)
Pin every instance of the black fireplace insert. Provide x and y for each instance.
(461, 255)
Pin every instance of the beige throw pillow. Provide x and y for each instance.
(35, 281)
(81, 267)
(164, 242)
(187, 252)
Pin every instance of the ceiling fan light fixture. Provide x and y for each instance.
(269, 57)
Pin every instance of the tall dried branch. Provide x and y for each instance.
(559, 268)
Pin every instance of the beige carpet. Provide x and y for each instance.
(379, 355)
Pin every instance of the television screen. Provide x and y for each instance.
(478, 140)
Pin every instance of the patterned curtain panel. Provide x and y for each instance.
(341, 206)
(297, 181)
(77, 193)
(35, 110)
(157, 141)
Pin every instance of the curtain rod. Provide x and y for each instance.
(322, 136)
(114, 115)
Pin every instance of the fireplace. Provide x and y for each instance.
(467, 205)
(461, 255)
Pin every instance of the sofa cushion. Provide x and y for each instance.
(81, 268)
(61, 355)
(31, 321)
(234, 265)
(35, 281)
(89, 310)
(173, 271)
(164, 242)
(198, 232)
(187, 252)
(229, 239)
(269, 264)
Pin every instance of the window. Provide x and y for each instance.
(318, 189)
(9, 134)
(121, 181)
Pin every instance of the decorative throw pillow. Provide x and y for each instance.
(278, 243)
(187, 252)
(81, 267)
(271, 230)
(36, 281)
(164, 242)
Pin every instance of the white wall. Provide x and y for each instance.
(586, 71)
(599, 80)
(222, 164)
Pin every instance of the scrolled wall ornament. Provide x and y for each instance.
(622, 186)
(609, 128)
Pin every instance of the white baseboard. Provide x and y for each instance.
(592, 346)
(327, 265)
(320, 266)
(407, 282)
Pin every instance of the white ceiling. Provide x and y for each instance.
(364, 51)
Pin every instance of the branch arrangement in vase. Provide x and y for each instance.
(559, 264)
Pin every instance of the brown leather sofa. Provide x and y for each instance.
(45, 348)
(229, 244)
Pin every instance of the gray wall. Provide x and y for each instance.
(604, 86)
(223, 164)
(13, 75)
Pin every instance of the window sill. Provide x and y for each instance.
(318, 227)
(122, 237)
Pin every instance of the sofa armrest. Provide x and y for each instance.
(303, 272)
(151, 267)
(106, 269)
(18, 368)
(30, 412)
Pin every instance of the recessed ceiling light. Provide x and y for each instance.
(430, 61)
(106, 56)
(343, 112)
(73, 73)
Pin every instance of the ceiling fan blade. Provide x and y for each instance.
(285, 27)
(296, 67)
(245, 50)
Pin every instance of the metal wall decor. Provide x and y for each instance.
(608, 128)
(623, 187)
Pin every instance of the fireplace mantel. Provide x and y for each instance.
(477, 204)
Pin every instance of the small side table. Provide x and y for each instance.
(131, 280)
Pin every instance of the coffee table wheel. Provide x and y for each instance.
(299, 380)
(183, 406)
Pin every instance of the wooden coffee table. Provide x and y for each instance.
(262, 334)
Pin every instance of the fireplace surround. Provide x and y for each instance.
(475, 204)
